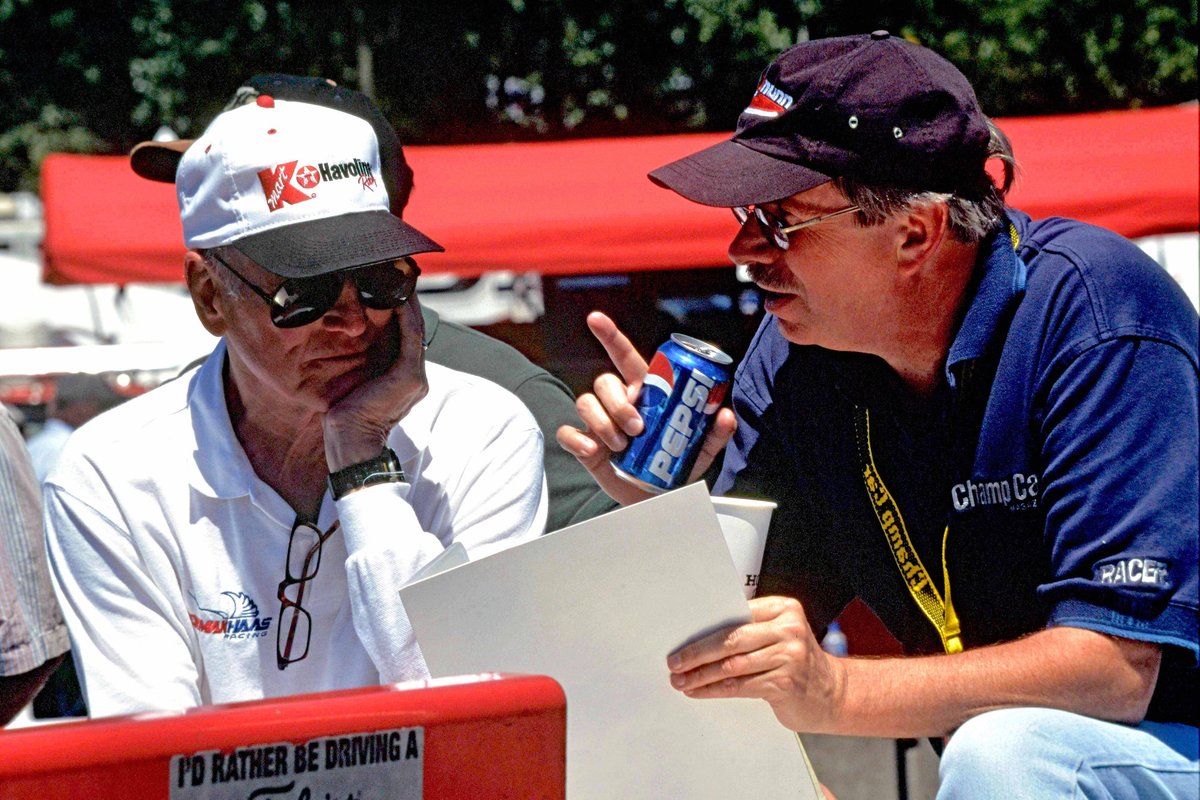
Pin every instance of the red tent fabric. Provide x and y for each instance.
(586, 206)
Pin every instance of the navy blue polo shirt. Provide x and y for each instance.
(1060, 450)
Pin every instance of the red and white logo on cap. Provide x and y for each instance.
(769, 101)
(278, 187)
(282, 183)
(276, 163)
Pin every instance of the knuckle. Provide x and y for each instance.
(606, 381)
(794, 650)
(793, 629)
(586, 403)
(790, 605)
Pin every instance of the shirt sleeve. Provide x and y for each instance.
(32, 630)
(494, 498)
(132, 649)
(1120, 485)
(574, 495)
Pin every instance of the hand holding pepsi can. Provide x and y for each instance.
(684, 385)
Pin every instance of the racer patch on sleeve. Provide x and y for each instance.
(1131, 571)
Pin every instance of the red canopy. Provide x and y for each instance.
(586, 206)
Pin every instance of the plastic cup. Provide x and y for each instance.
(745, 524)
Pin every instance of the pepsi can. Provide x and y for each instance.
(683, 388)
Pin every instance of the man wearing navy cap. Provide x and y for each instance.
(983, 426)
(241, 532)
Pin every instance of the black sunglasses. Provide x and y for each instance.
(301, 301)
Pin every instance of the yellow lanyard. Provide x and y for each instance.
(923, 592)
(912, 571)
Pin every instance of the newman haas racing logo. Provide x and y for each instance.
(699, 396)
(284, 184)
(240, 620)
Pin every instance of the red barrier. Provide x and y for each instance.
(482, 736)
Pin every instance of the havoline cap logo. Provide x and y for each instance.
(769, 101)
(284, 184)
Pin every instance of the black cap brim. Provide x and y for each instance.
(315, 247)
(730, 174)
(157, 161)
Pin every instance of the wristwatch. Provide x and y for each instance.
(383, 468)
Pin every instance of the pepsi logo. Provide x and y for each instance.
(660, 374)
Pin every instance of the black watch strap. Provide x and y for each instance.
(383, 468)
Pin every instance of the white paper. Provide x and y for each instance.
(598, 606)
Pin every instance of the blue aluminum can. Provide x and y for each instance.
(684, 386)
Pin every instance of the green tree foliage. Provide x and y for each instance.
(98, 77)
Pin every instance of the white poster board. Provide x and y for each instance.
(598, 606)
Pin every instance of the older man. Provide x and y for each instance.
(946, 393)
(573, 495)
(241, 533)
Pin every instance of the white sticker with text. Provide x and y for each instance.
(355, 766)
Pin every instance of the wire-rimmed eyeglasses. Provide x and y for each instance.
(774, 229)
(301, 301)
(303, 561)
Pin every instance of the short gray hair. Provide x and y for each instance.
(975, 212)
(229, 282)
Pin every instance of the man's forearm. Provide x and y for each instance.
(1066, 668)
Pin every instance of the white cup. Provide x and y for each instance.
(745, 524)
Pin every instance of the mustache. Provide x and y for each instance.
(771, 276)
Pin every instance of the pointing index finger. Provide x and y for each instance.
(621, 351)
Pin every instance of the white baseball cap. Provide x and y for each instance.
(296, 187)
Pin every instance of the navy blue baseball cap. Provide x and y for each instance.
(874, 107)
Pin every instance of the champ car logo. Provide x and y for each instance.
(769, 101)
(1018, 492)
(238, 619)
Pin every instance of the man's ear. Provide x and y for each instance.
(923, 230)
(206, 293)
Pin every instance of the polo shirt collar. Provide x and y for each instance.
(1001, 283)
(222, 469)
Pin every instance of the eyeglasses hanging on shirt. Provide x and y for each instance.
(303, 561)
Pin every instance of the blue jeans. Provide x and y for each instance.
(1044, 753)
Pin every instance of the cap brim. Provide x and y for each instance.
(314, 247)
(730, 174)
(158, 161)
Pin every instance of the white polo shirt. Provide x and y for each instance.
(167, 550)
